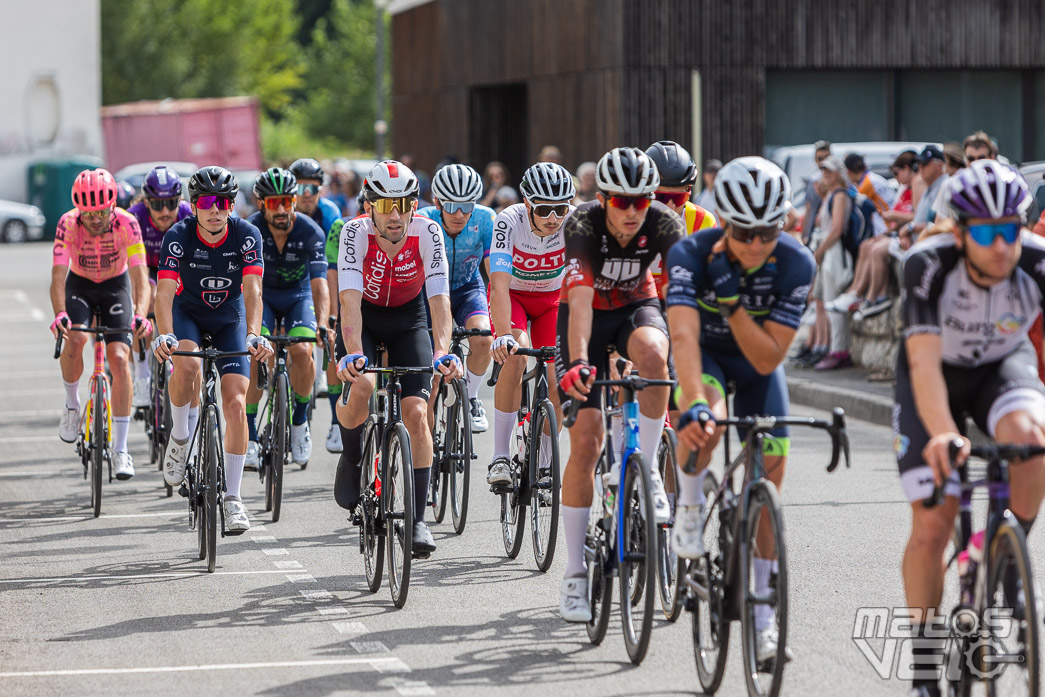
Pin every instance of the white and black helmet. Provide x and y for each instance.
(752, 192)
(457, 183)
(547, 181)
(627, 172)
(390, 179)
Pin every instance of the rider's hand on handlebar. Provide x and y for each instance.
(164, 346)
(61, 324)
(351, 367)
(574, 384)
(937, 454)
(259, 347)
(696, 425)
(503, 346)
(142, 327)
(449, 366)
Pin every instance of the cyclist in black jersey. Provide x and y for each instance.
(609, 298)
(968, 299)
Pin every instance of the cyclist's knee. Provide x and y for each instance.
(300, 353)
(481, 345)
(234, 404)
(415, 414)
(931, 529)
(650, 356)
(1021, 427)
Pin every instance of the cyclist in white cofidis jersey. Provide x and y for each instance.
(527, 265)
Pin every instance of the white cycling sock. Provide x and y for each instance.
(120, 424)
(141, 367)
(233, 474)
(503, 424)
(650, 431)
(473, 383)
(194, 416)
(180, 422)
(575, 526)
(763, 613)
(72, 395)
(691, 487)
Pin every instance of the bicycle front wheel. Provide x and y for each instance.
(544, 492)
(705, 583)
(168, 424)
(398, 494)
(513, 506)
(459, 463)
(596, 556)
(211, 454)
(439, 482)
(1009, 624)
(99, 443)
(371, 537)
(638, 571)
(280, 444)
(670, 567)
(764, 610)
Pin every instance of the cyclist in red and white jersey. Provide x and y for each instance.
(99, 266)
(385, 258)
(527, 261)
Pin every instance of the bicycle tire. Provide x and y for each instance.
(211, 454)
(710, 629)
(371, 539)
(638, 569)
(398, 494)
(168, 424)
(513, 507)
(763, 497)
(544, 495)
(439, 481)
(459, 467)
(280, 441)
(99, 415)
(1010, 583)
(596, 555)
(670, 567)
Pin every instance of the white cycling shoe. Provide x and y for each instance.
(334, 444)
(69, 426)
(300, 443)
(661, 504)
(500, 472)
(236, 520)
(174, 461)
(252, 461)
(767, 644)
(141, 392)
(123, 466)
(687, 536)
(573, 601)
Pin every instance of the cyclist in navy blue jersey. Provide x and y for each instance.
(735, 300)
(294, 291)
(210, 283)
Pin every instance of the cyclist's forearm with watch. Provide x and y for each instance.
(252, 302)
(439, 305)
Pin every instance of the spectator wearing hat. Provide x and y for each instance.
(873, 186)
(706, 198)
(931, 168)
(980, 146)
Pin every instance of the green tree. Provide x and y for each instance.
(154, 49)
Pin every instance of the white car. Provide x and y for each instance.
(20, 222)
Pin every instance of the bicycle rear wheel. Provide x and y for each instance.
(670, 567)
(1010, 587)
(459, 465)
(764, 677)
(638, 568)
(710, 626)
(167, 421)
(439, 482)
(596, 555)
(371, 537)
(280, 442)
(513, 506)
(210, 455)
(99, 443)
(398, 495)
(544, 492)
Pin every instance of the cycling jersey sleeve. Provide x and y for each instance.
(685, 274)
(793, 291)
(486, 231)
(333, 238)
(501, 243)
(923, 279)
(61, 253)
(352, 250)
(171, 253)
(132, 238)
(317, 266)
(434, 255)
(253, 261)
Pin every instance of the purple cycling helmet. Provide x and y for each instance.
(988, 189)
(162, 182)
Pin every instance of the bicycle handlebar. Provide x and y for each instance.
(99, 333)
(634, 382)
(543, 354)
(390, 370)
(459, 333)
(990, 452)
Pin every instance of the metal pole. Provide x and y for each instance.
(380, 127)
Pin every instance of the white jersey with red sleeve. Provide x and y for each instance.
(392, 282)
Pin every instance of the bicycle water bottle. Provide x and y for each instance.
(965, 578)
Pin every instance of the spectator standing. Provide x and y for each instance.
(495, 176)
(586, 188)
(835, 269)
(930, 166)
(706, 198)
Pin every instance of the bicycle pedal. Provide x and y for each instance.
(420, 555)
(183, 491)
(233, 533)
(501, 489)
(357, 520)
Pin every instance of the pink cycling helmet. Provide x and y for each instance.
(94, 190)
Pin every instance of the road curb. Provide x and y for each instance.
(858, 405)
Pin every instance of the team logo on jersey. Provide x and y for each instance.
(1009, 323)
(215, 283)
(248, 244)
(681, 273)
(176, 249)
(199, 254)
(643, 241)
(250, 257)
(620, 269)
(214, 298)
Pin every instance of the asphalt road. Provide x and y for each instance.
(120, 604)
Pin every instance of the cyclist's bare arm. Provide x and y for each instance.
(500, 303)
(252, 302)
(58, 274)
(925, 358)
(684, 326)
(141, 288)
(439, 305)
(580, 300)
(352, 321)
(320, 300)
(763, 346)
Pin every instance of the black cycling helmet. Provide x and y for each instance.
(674, 163)
(125, 193)
(275, 181)
(307, 168)
(212, 181)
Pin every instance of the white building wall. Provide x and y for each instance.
(51, 85)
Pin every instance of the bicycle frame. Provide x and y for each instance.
(96, 375)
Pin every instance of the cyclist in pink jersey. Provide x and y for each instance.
(94, 245)
(527, 261)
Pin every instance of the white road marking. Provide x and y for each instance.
(367, 647)
(121, 577)
(301, 578)
(279, 551)
(286, 565)
(332, 610)
(393, 666)
(412, 688)
(263, 538)
(317, 594)
(219, 666)
(350, 627)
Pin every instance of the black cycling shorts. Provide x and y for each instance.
(608, 328)
(110, 298)
(404, 332)
(986, 393)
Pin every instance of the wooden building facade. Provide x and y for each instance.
(498, 79)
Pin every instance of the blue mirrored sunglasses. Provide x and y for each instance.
(985, 234)
(452, 207)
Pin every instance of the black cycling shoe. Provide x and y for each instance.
(424, 543)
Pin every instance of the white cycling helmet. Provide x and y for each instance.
(457, 183)
(547, 181)
(390, 179)
(752, 192)
(626, 172)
